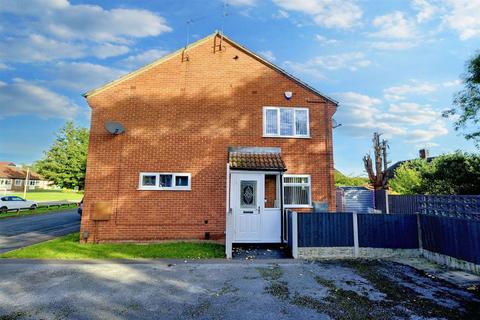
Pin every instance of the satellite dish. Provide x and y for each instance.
(114, 127)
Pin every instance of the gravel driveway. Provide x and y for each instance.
(280, 289)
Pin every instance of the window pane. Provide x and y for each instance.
(149, 181)
(181, 181)
(165, 180)
(286, 122)
(296, 180)
(297, 195)
(248, 194)
(271, 124)
(301, 120)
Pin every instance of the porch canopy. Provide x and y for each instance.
(256, 159)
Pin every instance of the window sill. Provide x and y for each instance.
(297, 206)
(164, 189)
(288, 137)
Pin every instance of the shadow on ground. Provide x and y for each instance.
(228, 290)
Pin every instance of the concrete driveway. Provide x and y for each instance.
(23, 231)
(275, 289)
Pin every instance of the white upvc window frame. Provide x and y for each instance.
(278, 135)
(157, 186)
(18, 182)
(6, 182)
(296, 184)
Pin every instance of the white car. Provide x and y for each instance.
(8, 203)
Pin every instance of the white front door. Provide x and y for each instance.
(247, 196)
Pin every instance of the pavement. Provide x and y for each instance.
(27, 230)
(223, 289)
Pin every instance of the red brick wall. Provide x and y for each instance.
(181, 116)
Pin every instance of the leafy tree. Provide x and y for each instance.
(467, 102)
(66, 161)
(457, 173)
(408, 177)
(343, 180)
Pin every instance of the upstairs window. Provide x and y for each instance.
(164, 181)
(286, 122)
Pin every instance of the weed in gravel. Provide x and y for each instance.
(271, 273)
(403, 296)
(278, 289)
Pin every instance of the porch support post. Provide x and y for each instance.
(295, 235)
(228, 219)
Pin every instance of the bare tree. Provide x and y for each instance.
(377, 175)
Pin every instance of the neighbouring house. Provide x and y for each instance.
(14, 178)
(422, 153)
(209, 134)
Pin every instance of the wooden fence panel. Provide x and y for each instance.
(404, 203)
(455, 237)
(325, 229)
(394, 231)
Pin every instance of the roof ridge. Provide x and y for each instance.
(214, 34)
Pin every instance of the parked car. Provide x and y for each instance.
(80, 207)
(8, 203)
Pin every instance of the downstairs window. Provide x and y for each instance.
(296, 191)
(164, 181)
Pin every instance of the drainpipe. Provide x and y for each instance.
(228, 218)
(283, 217)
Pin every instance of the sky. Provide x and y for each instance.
(393, 65)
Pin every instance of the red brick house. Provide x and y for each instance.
(13, 178)
(209, 130)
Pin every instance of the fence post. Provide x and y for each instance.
(387, 206)
(355, 234)
(419, 232)
(295, 235)
(229, 235)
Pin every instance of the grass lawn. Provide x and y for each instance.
(51, 195)
(68, 247)
(40, 210)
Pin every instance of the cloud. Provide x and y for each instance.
(325, 41)
(49, 30)
(64, 20)
(415, 88)
(361, 115)
(3, 66)
(393, 45)
(144, 58)
(463, 16)
(37, 48)
(267, 54)
(394, 25)
(24, 98)
(281, 14)
(452, 83)
(241, 2)
(395, 31)
(326, 13)
(83, 76)
(426, 10)
(350, 61)
(109, 50)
